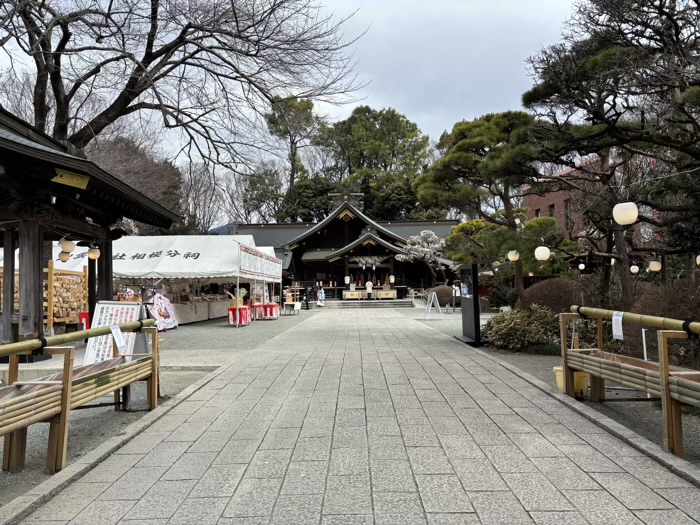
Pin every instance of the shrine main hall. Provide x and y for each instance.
(347, 243)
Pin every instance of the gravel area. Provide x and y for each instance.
(187, 354)
(643, 417)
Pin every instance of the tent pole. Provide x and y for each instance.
(238, 288)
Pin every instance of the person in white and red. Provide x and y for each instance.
(368, 287)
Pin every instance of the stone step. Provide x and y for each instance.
(399, 303)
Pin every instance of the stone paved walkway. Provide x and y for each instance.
(367, 417)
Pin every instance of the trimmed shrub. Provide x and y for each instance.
(502, 295)
(556, 294)
(444, 294)
(532, 329)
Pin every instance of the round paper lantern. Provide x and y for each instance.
(634, 269)
(94, 253)
(542, 253)
(513, 255)
(64, 256)
(655, 266)
(612, 262)
(392, 279)
(347, 279)
(697, 260)
(581, 266)
(625, 213)
(67, 246)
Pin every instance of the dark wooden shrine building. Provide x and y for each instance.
(46, 194)
(347, 243)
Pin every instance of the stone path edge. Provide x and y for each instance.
(22, 506)
(678, 466)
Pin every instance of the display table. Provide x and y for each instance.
(218, 309)
(354, 294)
(258, 312)
(385, 294)
(191, 312)
(271, 311)
(239, 316)
(292, 308)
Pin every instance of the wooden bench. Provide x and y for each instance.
(672, 384)
(51, 398)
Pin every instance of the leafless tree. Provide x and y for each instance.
(209, 69)
(201, 199)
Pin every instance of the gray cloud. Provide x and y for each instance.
(441, 61)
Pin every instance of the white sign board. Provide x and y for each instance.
(617, 325)
(109, 313)
(119, 340)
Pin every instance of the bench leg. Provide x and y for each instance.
(15, 450)
(597, 389)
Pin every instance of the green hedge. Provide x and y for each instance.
(535, 329)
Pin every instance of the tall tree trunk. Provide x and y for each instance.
(607, 275)
(624, 265)
(293, 169)
(519, 284)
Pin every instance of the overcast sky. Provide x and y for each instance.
(441, 61)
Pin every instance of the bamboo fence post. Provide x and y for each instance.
(12, 377)
(117, 392)
(671, 409)
(598, 383)
(568, 373)
(57, 455)
(49, 297)
(153, 382)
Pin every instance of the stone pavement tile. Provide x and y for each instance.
(289, 419)
(405, 401)
(312, 449)
(260, 520)
(280, 438)
(535, 492)
(589, 459)
(398, 508)
(535, 446)
(443, 493)
(461, 447)
(191, 465)
(387, 447)
(392, 476)
(188, 431)
(347, 495)
(411, 416)
(558, 518)
(350, 437)
(651, 473)
(535, 416)
(307, 477)
(269, 464)
(560, 435)
(347, 520)
(460, 400)
(499, 508)
(349, 462)
(383, 426)
(508, 458)
(494, 406)
(317, 427)
(610, 446)
(210, 442)
(142, 443)
(111, 469)
(133, 484)
(377, 395)
(351, 401)
(319, 409)
(219, 481)
(631, 492)
(444, 426)
(429, 460)
(202, 511)
(161, 501)
(478, 474)
(69, 502)
(164, 454)
(144, 522)
(253, 497)
(664, 517)
(205, 415)
(188, 407)
(103, 513)
(454, 519)
(564, 474)
(350, 417)
(488, 434)
(237, 451)
(438, 408)
(252, 429)
(600, 508)
(167, 423)
(301, 510)
(264, 412)
(380, 408)
(221, 400)
(419, 436)
(512, 423)
(473, 417)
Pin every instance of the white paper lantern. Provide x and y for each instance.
(347, 279)
(697, 260)
(612, 262)
(625, 213)
(67, 246)
(634, 269)
(64, 256)
(392, 279)
(542, 253)
(655, 266)
(581, 266)
(93, 253)
(513, 255)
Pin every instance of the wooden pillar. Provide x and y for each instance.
(105, 291)
(8, 292)
(569, 388)
(670, 408)
(598, 383)
(92, 287)
(31, 281)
